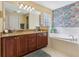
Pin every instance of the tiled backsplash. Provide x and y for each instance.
(66, 20)
(67, 16)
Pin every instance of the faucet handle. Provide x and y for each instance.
(76, 39)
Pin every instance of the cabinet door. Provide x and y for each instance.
(22, 45)
(39, 40)
(32, 42)
(18, 45)
(9, 46)
(42, 39)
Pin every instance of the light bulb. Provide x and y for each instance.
(25, 6)
(21, 6)
(33, 8)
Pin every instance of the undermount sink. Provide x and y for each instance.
(7, 31)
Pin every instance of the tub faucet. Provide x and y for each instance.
(72, 37)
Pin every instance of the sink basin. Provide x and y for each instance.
(7, 31)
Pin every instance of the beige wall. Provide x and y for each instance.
(1, 24)
(1, 18)
(22, 18)
(0, 5)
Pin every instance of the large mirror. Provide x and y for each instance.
(17, 18)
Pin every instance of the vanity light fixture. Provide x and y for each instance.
(33, 8)
(25, 6)
(21, 6)
(28, 9)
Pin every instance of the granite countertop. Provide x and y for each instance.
(21, 33)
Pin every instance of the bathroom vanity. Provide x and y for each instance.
(21, 43)
(22, 32)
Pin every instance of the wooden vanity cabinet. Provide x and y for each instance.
(20, 45)
(26, 44)
(32, 42)
(45, 39)
(42, 39)
(15, 45)
(9, 47)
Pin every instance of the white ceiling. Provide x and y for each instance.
(54, 4)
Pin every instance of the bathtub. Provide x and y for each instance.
(65, 37)
(64, 44)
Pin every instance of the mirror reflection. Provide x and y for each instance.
(19, 18)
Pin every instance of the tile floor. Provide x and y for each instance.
(46, 52)
(53, 52)
(38, 53)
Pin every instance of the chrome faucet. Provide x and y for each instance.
(72, 37)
